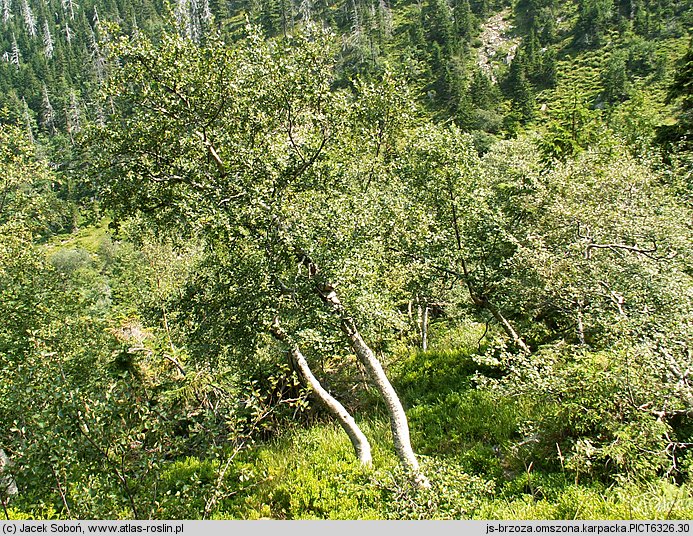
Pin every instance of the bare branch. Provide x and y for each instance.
(618, 300)
(480, 300)
(647, 252)
(173, 360)
(663, 414)
(585, 236)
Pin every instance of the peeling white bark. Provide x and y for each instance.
(8, 487)
(398, 418)
(358, 439)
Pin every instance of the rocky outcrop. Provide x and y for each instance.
(497, 46)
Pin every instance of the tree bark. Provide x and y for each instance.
(424, 329)
(580, 324)
(359, 441)
(8, 487)
(398, 418)
(507, 327)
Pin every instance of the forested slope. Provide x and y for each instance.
(352, 259)
(53, 57)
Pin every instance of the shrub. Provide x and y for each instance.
(453, 494)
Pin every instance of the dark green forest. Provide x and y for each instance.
(346, 259)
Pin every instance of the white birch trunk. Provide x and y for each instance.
(398, 418)
(8, 487)
(359, 441)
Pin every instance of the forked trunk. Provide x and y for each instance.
(359, 441)
(398, 419)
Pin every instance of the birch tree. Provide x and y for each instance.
(234, 144)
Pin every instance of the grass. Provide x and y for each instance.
(89, 238)
(312, 474)
(461, 433)
(659, 500)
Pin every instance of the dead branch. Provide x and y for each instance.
(647, 252)
(664, 414)
(212, 151)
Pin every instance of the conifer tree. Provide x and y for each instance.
(384, 20)
(6, 11)
(68, 33)
(480, 8)
(305, 10)
(481, 90)
(519, 90)
(615, 78)
(47, 40)
(549, 69)
(69, 7)
(15, 53)
(206, 13)
(593, 16)
(271, 17)
(47, 112)
(438, 19)
(182, 16)
(532, 57)
(98, 60)
(464, 20)
(29, 19)
(681, 93)
(27, 120)
(73, 121)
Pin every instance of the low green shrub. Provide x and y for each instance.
(588, 414)
(449, 424)
(312, 474)
(453, 494)
(184, 487)
(560, 500)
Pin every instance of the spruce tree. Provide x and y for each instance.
(519, 90)
(464, 19)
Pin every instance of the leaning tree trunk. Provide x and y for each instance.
(398, 419)
(507, 327)
(359, 441)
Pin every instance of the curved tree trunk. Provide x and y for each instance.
(398, 419)
(359, 441)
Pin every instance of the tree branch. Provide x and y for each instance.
(212, 151)
(616, 247)
(479, 300)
